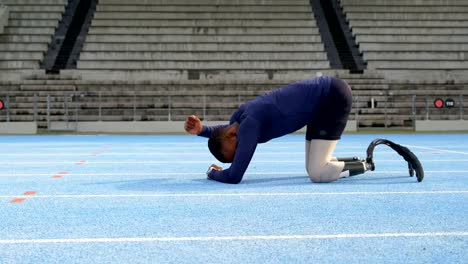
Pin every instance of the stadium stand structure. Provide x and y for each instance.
(29, 32)
(69, 37)
(203, 39)
(4, 14)
(412, 39)
(162, 60)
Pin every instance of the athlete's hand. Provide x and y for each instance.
(211, 168)
(193, 125)
(215, 167)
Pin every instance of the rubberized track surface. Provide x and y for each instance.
(145, 199)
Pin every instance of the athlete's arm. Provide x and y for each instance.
(194, 126)
(247, 138)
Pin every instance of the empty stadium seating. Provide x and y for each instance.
(203, 39)
(161, 100)
(418, 37)
(4, 15)
(31, 26)
(162, 60)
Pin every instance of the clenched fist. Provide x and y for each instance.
(193, 125)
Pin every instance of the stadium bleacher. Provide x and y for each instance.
(196, 39)
(162, 60)
(411, 38)
(4, 15)
(30, 28)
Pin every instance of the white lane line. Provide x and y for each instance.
(289, 173)
(176, 154)
(47, 163)
(125, 143)
(439, 149)
(160, 153)
(266, 194)
(230, 238)
(133, 148)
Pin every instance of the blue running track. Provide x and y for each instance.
(145, 199)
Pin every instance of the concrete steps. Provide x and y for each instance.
(411, 39)
(214, 100)
(204, 47)
(30, 28)
(203, 39)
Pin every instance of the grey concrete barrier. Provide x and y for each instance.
(198, 56)
(423, 64)
(407, 16)
(213, 65)
(26, 47)
(192, 47)
(436, 47)
(409, 30)
(441, 125)
(205, 8)
(155, 22)
(403, 2)
(34, 2)
(425, 8)
(201, 39)
(156, 127)
(25, 39)
(59, 8)
(412, 39)
(217, 15)
(33, 23)
(19, 64)
(414, 23)
(202, 31)
(205, 2)
(16, 128)
(104, 74)
(418, 56)
(30, 31)
(425, 75)
(21, 55)
(20, 15)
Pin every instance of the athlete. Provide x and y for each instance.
(322, 104)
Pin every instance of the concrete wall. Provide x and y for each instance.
(18, 128)
(157, 127)
(442, 125)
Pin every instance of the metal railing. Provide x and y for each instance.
(213, 106)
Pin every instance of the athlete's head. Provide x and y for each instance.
(223, 143)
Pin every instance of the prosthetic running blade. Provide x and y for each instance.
(414, 165)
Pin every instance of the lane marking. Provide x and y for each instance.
(438, 149)
(22, 198)
(60, 174)
(272, 194)
(231, 238)
(90, 144)
(185, 153)
(201, 161)
(18, 200)
(289, 173)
